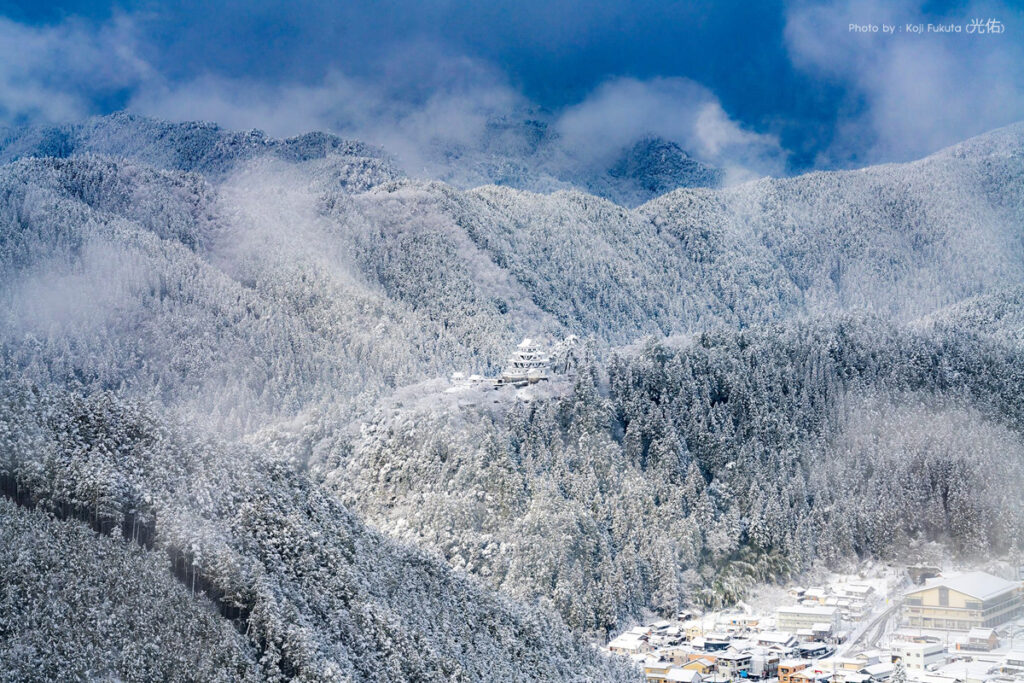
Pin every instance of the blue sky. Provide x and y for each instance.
(783, 86)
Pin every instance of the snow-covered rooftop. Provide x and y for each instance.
(980, 585)
(627, 640)
(679, 675)
(878, 669)
(980, 633)
(808, 610)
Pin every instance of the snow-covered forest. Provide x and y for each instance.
(315, 594)
(681, 475)
(217, 353)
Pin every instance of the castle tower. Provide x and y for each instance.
(529, 363)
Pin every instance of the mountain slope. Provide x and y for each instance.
(652, 167)
(898, 239)
(80, 605)
(999, 315)
(286, 298)
(319, 595)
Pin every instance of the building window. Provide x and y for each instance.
(943, 596)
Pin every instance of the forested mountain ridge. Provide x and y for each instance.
(999, 316)
(192, 146)
(330, 282)
(833, 327)
(899, 239)
(84, 606)
(903, 240)
(523, 154)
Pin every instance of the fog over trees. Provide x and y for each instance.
(221, 405)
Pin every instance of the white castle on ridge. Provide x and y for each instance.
(529, 363)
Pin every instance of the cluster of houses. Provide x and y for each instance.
(670, 652)
(721, 648)
(849, 602)
(815, 639)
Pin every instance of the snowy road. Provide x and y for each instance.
(871, 631)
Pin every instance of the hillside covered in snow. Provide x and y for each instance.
(212, 336)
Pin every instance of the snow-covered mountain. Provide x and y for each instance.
(652, 167)
(201, 147)
(519, 152)
(279, 297)
(684, 473)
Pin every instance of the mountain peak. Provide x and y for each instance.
(658, 166)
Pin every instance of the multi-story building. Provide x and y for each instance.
(1013, 663)
(528, 364)
(734, 664)
(764, 665)
(980, 639)
(963, 602)
(915, 655)
(801, 617)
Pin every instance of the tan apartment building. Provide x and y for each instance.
(961, 603)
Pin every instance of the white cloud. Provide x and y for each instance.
(243, 104)
(427, 107)
(458, 101)
(908, 95)
(911, 94)
(623, 110)
(55, 73)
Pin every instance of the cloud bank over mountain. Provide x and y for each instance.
(472, 108)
